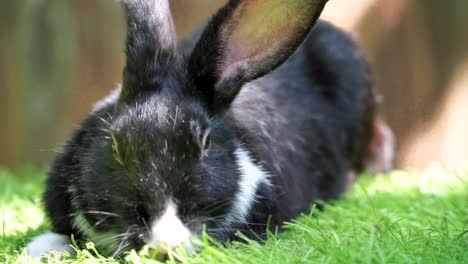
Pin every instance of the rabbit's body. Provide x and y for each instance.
(308, 123)
(181, 145)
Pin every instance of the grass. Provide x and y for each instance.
(396, 218)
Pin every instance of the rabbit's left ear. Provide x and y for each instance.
(247, 39)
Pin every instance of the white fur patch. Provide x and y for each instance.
(251, 177)
(168, 231)
(48, 242)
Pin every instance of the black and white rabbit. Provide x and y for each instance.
(254, 116)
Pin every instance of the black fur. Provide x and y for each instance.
(307, 121)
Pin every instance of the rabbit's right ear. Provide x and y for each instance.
(245, 40)
(150, 47)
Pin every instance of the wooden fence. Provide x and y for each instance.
(57, 57)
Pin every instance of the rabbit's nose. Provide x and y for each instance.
(168, 233)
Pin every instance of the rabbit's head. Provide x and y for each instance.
(164, 162)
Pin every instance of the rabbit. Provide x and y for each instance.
(256, 115)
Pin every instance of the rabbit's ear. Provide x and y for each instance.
(247, 39)
(150, 47)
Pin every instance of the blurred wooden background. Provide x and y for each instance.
(57, 57)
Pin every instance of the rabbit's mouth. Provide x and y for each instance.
(164, 234)
(168, 232)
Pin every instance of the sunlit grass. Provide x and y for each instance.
(397, 218)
